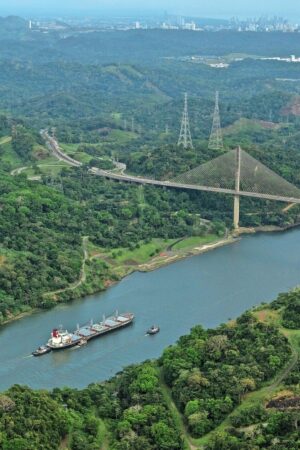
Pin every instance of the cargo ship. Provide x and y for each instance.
(61, 339)
(108, 324)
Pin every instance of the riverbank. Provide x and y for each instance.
(158, 253)
(19, 316)
(165, 260)
(265, 229)
(147, 258)
(123, 262)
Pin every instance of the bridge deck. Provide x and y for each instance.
(170, 184)
(53, 145)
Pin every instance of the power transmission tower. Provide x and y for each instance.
(185, 138)
(132, 125)
(216, 140)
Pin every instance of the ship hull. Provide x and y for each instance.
(64, 346)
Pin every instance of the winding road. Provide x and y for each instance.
(82, 276)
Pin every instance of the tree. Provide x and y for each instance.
(165, 438)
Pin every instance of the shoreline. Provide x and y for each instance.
(266, 229)
(20, 316)
(198, 250)
(157, 263)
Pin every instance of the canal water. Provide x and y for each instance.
(207, 289)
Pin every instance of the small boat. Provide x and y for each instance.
(153, 330)
(42, 350)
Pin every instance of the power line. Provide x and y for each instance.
(216, 140)
(185, 138)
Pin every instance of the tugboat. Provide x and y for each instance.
(153, 330)
(42, 350)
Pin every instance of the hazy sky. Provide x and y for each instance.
(213, 8)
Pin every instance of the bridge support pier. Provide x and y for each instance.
(236, 207)
(236, 212)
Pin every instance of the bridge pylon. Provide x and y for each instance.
(236, 207)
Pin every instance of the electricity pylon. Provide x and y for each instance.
(216, 140)
(185, 138)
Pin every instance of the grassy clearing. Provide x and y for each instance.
(8, 155)
(143, 253)
(243, 124)
(157, 250)
(103, 436)
(116, 116)
(268, 316)
(121, 137)
(69, 148)
(49, 160)
(5, 140)
(83, 157)
(72, 150)
(29, 172)
(52, 170)
(195, 241)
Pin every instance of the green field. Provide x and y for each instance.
(145, 252)
(8, 155)
(121, 137)
(142, 254)
(195, 241)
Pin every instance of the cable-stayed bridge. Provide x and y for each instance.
(235, 173)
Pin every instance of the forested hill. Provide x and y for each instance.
(235, 387)
(135, 45)
(12, 27)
